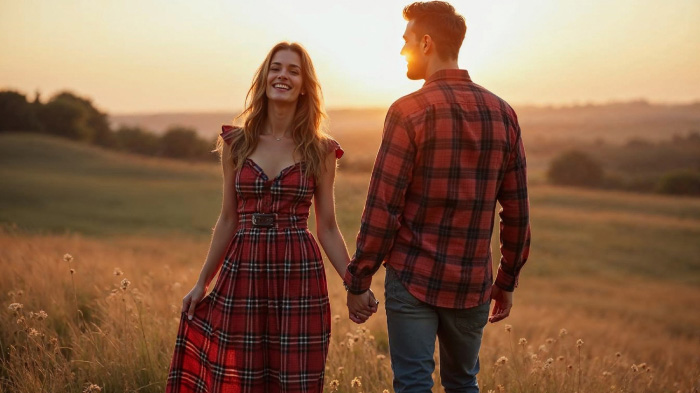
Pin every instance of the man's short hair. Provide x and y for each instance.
(441, 22)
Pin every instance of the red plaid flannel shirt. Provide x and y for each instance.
(449, 151)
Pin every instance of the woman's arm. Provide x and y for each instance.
(224, 230)
(326, 226)
(332, 240)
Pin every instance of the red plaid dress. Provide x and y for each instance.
(265, 327)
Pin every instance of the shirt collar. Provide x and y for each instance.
(449, 74)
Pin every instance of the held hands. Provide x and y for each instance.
(361, 307)
(190, 301)
(504, 302)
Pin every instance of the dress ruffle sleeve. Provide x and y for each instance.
(227, 132)
(335, 146)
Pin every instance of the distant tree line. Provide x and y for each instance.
(667, 167)
(70, 116)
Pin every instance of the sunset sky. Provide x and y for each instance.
(164, 55)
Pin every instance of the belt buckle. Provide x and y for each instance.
(263, 220)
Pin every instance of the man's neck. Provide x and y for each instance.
(438, 65)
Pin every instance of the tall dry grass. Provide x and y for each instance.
(105, 319)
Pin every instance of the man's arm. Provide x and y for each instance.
(514, 217)
(392, 173)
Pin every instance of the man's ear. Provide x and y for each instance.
(426, 44)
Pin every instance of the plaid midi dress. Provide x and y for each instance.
(265, 326)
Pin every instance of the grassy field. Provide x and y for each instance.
(618, 271)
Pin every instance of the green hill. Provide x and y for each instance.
(54, 185)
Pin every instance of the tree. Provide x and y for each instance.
(183, 142)
(575, 168)
(137, 140)
(71, 116)
(16, 114)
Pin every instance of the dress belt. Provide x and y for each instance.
(271, 220)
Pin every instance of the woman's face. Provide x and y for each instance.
(284, 80)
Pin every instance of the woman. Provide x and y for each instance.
(265, 327)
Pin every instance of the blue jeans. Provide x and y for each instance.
(413, 326)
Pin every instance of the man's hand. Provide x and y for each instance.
(361, 307)
(504, 302)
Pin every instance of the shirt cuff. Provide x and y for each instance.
(356, 286)
(505, 281)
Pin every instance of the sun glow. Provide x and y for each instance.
(163, 55)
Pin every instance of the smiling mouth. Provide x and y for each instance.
(281, 86)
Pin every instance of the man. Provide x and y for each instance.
(449, 152)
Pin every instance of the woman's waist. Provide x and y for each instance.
(272, 221)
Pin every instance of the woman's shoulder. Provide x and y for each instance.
(228, 132)
(333, 146)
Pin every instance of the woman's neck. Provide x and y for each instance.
(279, 119)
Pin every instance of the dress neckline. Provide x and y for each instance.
(262, 173)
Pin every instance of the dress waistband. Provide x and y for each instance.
(271, 220)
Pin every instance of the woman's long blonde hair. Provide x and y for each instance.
(310, 140)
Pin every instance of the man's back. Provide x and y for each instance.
(450, 150)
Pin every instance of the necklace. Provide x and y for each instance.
(272, 134)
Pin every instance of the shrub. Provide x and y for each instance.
(680, 182)
(575, 168)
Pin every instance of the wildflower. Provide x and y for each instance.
(546, 366)
(336, 319)
(381, 357)
(522, 342)
(11, 294)
(20, 320)
(569, 367)
(618, 354)
(579, 343)
(67, 257)
(72, 271)
(334, 385)
(92, 388)
(549, 361)
(550, 341)
(340, 370)
(370, 338)
(118, 271)
(385, 391)
(501, 388)
(53, 341)
(33, 332)
(15, 307)
(563, 332)
(542, 348)
(533, 356)
(41, 315)
(606, 374)
(356, 383)
(642, 366)
(560, 358)
(125, 284)
(508, 328)
(501, 361)
(635, 368)
(20, 293)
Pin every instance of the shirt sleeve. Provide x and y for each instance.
(391, 175)
(514, 216)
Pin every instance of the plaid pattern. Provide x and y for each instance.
(265, 326)
(449, 151)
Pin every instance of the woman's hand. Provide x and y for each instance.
(190, 301)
